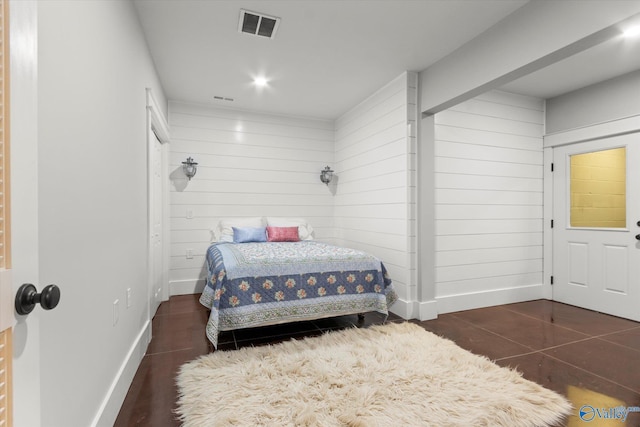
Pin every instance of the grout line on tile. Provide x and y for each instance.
(235, 341)
(519, 355)
(617, 332)
(592, 373)
(168, 351)
(565, 327)
(547, 322)
(569, 364)
(533, 350)
(499, 335)
(600, 337)
(564, 344)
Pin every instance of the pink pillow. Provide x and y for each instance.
(282, 234)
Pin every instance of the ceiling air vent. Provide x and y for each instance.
(258, 24)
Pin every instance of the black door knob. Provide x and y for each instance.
(27, 298)
(637, 236)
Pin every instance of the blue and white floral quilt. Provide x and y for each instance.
(257, 284)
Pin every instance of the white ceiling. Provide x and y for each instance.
(605, 61)
(329, 55)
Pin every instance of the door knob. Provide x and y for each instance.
(637, 236)
(27, 298)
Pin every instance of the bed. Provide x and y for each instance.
(258, 283)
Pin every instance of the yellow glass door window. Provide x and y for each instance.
(598, 189)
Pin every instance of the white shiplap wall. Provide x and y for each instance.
(489, 201)
(250, 164)
(375, 155)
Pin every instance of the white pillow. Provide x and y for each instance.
(305, 231)
(224, 231)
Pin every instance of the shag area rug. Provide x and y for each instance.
(390, 375)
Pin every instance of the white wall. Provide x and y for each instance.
(93, 69)
(489, 201)
(609, 100)
(375, 164)
(254, 164)
(249, 164)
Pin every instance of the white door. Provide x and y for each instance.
(158, 138)
(24, 208)
(596, 205)
(155, 221)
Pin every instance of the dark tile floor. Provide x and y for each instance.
(591, 358)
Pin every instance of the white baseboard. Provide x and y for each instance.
(453, 303)
(428, 310)
(112, 402)
(425, 310)
(185, 287)
(402, 308)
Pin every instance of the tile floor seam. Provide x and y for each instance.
(168, 351)
(318, 327)
(519, 355)
(574, 330)
(617, 332)
(617, 343)
(593, 373)
(516, 342)
(534, 350)
(550, 323)
(567, 343)
(235, 341)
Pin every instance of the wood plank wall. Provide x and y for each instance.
(489, 204)
(250, 164)
(375, 155)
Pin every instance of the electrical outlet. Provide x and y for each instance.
(116, 312)
(189, 253)
(128, 297)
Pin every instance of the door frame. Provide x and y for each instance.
(612, 128)
(157, 127)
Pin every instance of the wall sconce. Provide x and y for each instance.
(190, 168)
(326, 175)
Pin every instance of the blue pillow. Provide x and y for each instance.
(249, 234)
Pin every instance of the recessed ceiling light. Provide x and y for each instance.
(260, 81)
(632, 31)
